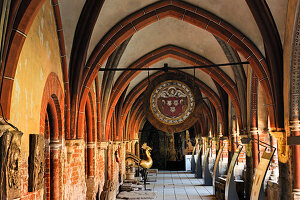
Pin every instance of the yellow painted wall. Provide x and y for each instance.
(39, 57)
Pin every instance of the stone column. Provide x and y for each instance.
(54, 169)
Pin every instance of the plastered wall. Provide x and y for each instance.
(39, 57)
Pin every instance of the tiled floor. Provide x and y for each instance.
(178, 185)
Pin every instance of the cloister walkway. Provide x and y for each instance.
(180, 185)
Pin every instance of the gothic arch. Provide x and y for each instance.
(51, 126)
(191, 14)
(180, 54)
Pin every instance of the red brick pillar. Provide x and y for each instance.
(295, 131)
(90, 160)
(109, 162)
(54, 169)
(253, 119)
(294, 103)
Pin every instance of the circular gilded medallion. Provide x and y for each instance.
(172, 102)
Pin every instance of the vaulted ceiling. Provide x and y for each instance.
(170, 32)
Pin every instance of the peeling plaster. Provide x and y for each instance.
(48, 50)
(41, 74)
(42, 23)
(39, 61)
(41, 35)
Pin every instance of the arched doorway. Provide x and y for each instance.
(52, 150)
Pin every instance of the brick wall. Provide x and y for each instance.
(74, 171)
(73, 181)
(25, 195)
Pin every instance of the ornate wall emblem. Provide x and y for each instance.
(172, 102)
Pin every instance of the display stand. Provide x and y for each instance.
(193, 163)
(206, 173)
(188, 162)
(198, 170)
(230, 188)
(216, 171)
(257, 191)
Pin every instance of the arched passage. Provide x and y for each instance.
(89, 136)
(190, 14)
(137, 91)
(184, 55)
(52, 127)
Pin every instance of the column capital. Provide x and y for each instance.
(296, 194)
(55, 145)
(295, 125)
(90, 145)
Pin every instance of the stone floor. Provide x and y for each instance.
(178, 185)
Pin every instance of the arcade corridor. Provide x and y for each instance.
(96, 93)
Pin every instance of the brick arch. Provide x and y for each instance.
(89, 137)
(198, 128)
(177, 53)
(209, 116)
(180, 54)
(90, 117)
(190, 14)
(137, 117)
(51, 126)
(139, 120)
(136, 109)
(81, 115)
(139, 89)
(24, 17)
(53, 96)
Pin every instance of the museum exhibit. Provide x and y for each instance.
(150, 99)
